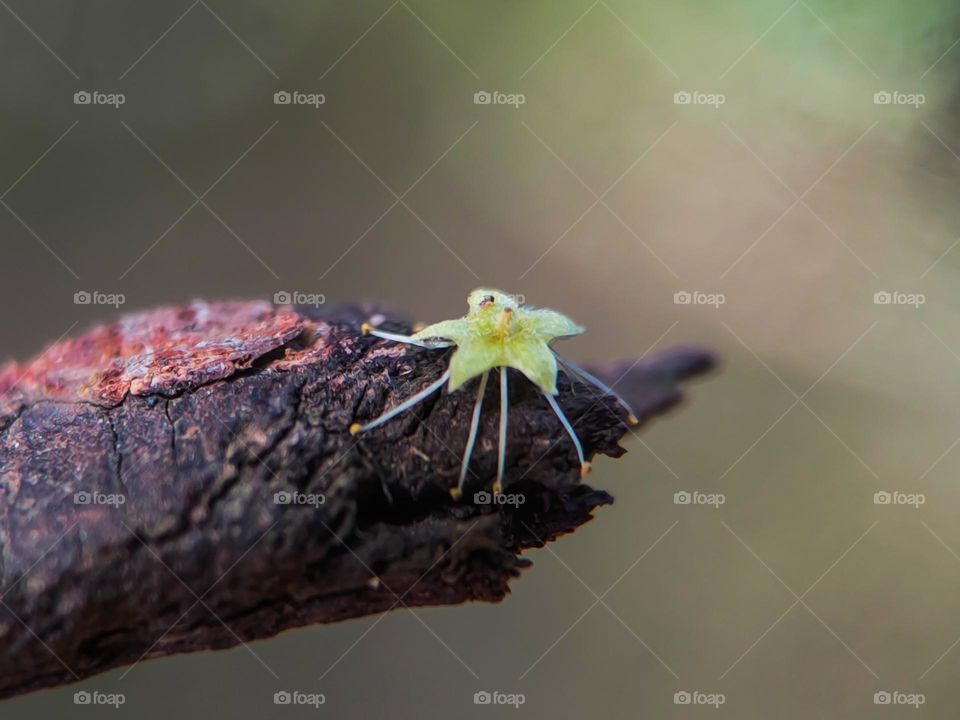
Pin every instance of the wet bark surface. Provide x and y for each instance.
(184, 479)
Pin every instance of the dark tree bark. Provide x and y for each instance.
(197, 417)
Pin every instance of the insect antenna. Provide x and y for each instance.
(502, 441)
(584, 465)
(357, 428)
(457, 492)
(586, 378)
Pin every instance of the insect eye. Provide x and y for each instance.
(487, 300)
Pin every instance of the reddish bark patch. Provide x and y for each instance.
(165, 351)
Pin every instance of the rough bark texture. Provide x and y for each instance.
(198, 417)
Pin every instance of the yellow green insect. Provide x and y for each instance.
(498, 332)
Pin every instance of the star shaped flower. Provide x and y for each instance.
(500, 332)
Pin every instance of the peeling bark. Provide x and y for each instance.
(198, 416)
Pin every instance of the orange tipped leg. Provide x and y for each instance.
(357, 428)
(600, 385)
(457, 492)
(584, 465)
(367, 329)
(502, 441)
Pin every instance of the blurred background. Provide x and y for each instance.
(746, 176)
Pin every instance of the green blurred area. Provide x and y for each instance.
(598, 196)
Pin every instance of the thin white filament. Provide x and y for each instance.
(408, 403)
(474, 426)
(502, 441)
(567, 426)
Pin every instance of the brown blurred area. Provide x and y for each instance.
(791, 203)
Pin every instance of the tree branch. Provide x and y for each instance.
(183, 479)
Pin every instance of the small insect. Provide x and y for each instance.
(498, 332)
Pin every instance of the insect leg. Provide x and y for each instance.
(457, 492)
(367, 329)
(584, 465)
(588, 378)
(502, 442)
(405, 405)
